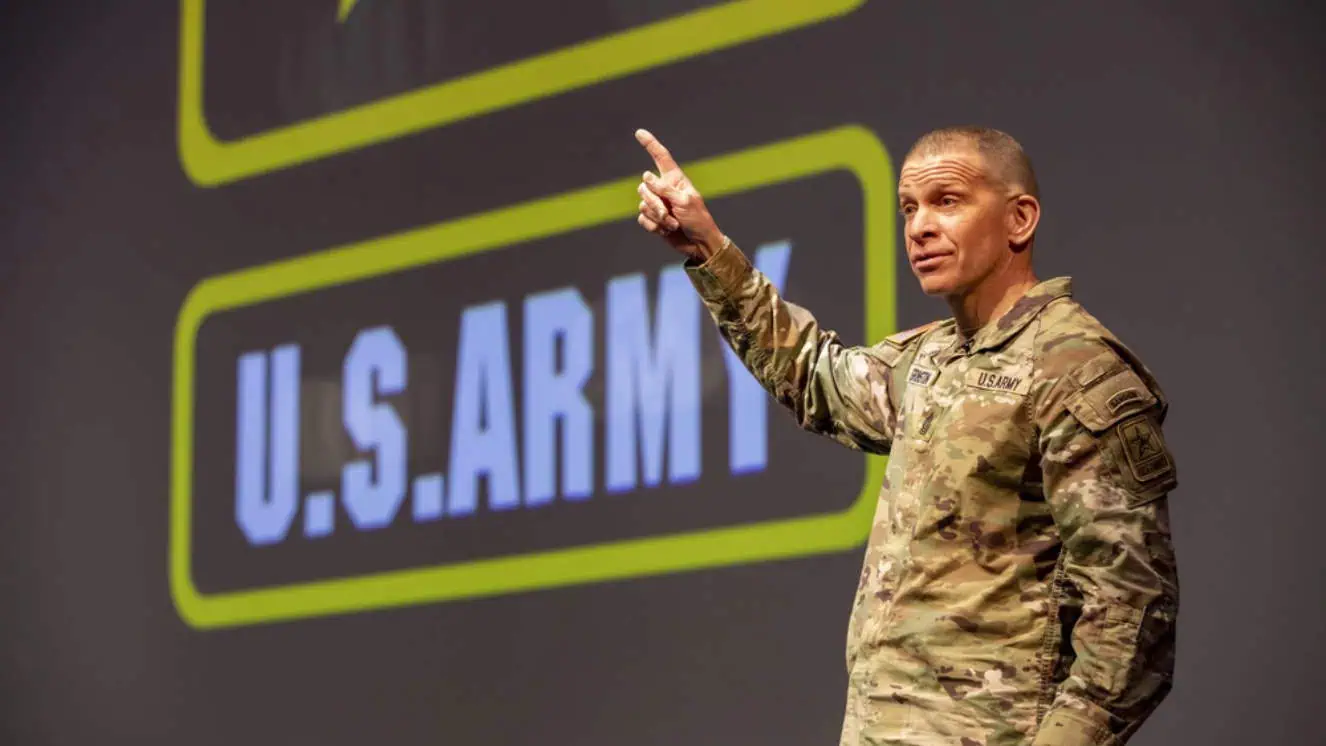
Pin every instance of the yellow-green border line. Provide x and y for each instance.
(851, 148)
(212, 162)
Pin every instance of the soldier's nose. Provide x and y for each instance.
(921, 227)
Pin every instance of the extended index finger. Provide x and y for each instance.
(662, 158)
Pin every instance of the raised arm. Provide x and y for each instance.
(845, 393)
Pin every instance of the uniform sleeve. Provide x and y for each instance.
(844, 393)
(1107, 475)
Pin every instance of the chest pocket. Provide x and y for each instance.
(987, 426)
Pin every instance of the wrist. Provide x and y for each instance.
(710, 245)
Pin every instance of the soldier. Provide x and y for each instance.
(1019, 584)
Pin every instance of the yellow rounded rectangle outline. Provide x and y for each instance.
(851, 148)
(211, 162)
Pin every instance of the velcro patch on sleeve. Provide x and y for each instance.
(1103, 364)
(1110, 399)
(1147, 455)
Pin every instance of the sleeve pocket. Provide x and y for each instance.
(1113, 646)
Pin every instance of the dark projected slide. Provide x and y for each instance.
(265, 86)
(273, 64)
(533, 397)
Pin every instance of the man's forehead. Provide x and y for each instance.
(961, 165)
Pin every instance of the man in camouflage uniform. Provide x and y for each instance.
(1019, 584)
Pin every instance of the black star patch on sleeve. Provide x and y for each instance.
(1146, 453)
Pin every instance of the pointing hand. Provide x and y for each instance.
(671, 207)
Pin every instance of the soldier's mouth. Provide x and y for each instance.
(928, 261)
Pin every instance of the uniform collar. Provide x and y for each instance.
(1016, 318)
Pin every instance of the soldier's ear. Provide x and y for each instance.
(1024, 214)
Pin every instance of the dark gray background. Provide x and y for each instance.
(1179, 151)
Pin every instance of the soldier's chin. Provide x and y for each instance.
(937, 283)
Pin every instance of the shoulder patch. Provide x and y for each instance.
(1110, 390)
(1147, 455)
(901, 339)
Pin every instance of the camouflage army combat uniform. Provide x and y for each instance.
(1019, 585)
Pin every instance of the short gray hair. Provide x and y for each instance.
(1003, 156)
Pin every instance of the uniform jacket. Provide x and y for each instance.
(1019, 584)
